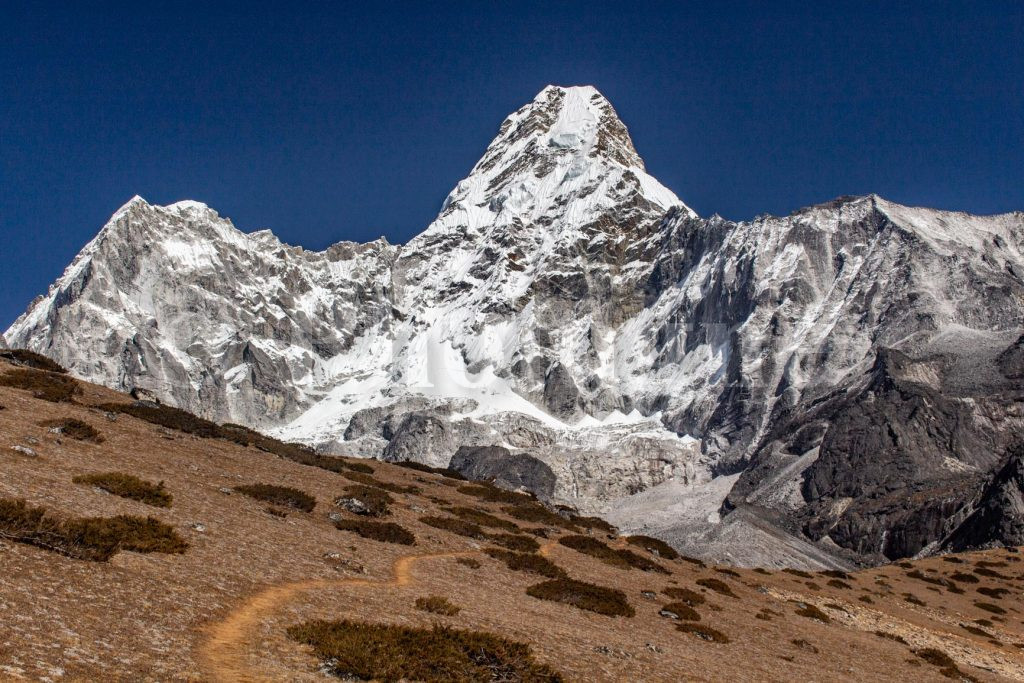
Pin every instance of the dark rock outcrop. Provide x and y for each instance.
(508, 470)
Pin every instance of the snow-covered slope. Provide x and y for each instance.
(562, 304)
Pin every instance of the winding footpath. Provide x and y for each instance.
(223, 653)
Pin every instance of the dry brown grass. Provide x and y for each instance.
(583, 595)
(685, 595)
(128, 486)
(86, 538)
(361, 651)
(284, 496)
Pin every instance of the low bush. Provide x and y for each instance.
(654, 545)
(964, 577)
(31, 359)
(73, 429)
(420, 467)
(836, 583)
(891, 636)
(493, 494)
(693, 560)
(373, 501)
(86, 538)
(583, 595)
(913, 599)
(284, 496)
(384, 532)
(366, 480)
(982, 570)
(730, 572)
(685, 595)
(435, 604)
(716, 585)
(988, 607)
(996, 593)
(361, 651)
(527, 562)
(45, 385)
(468, 562)
(168, 417)
(455, 526)
(703, 632)
(538, 514)
(947, 667)
(517, 542)
(482, 518)
(812, 612)
(679, 610)
(976, 631)
(128, 486)
(836, 574)
(593, 523)
(625, 559)
(799, 572)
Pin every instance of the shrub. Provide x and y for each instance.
(947, 667)
(812, 612)
(654, 545)
(988, 607)
(836, 583)
(74, 429)
(482, 518)
(538, 514)
(583, 595)
(693, 560)
(48, 386)
(685, 595)
(166, 416)
(716, 585)
(385, 532)
(435, 604)
(523, 544)
(455, 526)
(594, 523)
(86, 538)
(443, 471)
(624, 559)
(354, 650)
(527, 562)
(913, 599)
(279, 495)
(360, 467)
(703, 632)
(679, 610)
(798, 572)
(835, 574)
(890, 636)
(964, 577)
(375, 502)
(468, 562)
(734, 574)
(493, 494)
(996, 593)
(128, 486)
(31, 359)
(366, 480)
(976, 631)
(985, 571)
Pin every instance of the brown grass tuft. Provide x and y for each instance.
(48, 386)
(482, 518)
(679, 610)
(517, 542)
(376, 502)
(455, 526)
(74, 429)
(384, 532)
(654, 545)
(703, 632)
(436, 604)
(625, 559)
(716, 585)
(527, 562)
(284, 496)
(685, 595)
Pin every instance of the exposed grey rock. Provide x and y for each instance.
(24, 450)
(421, 438)
(998, 516)
(508, 470)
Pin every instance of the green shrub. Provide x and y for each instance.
(716, 585)
(523, 544)
(74, 429)
(625, 559)
(86, 538)
(527, 562)
(482, 518)
(128, 486)
(48, 386)
(435, 604)
(685, 595)
(654, 545)
(279, 495)
(31, 359)
(353, 650)
(679, 610)
(703, 632)
(455, 526)
(583, 595)
(384, 532)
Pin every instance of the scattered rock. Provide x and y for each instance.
(24, 450)
(225, 490)
(198, 526)
(353, 505)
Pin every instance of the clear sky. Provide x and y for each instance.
(345, 120)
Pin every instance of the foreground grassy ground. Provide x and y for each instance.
(280, 568)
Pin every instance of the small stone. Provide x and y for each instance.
(24, 450)
(110, 416)
(32, 440)
(353, 505)
(649, 595)
(669, 614)
(653, 648)
(225, 490)
(198, 526)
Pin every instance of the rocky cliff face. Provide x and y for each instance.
(568, 308)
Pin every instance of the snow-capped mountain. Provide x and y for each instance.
(568, 309)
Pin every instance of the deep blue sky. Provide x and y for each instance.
(343, 121)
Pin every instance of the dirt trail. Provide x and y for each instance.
(223, 652)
